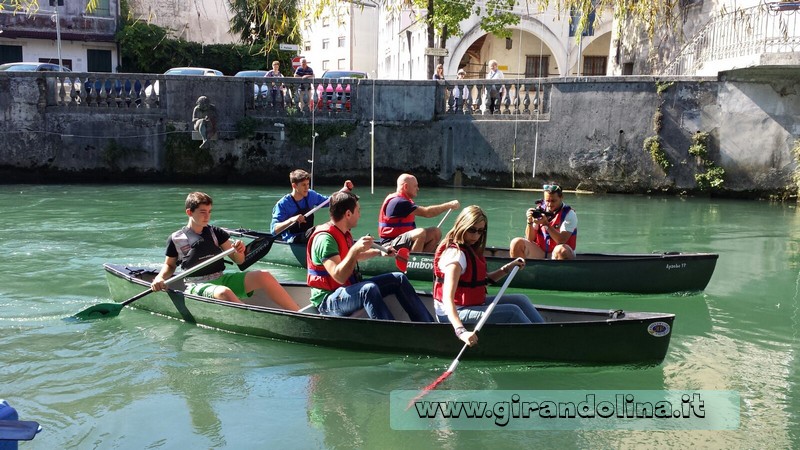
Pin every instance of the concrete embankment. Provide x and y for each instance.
(585, 133)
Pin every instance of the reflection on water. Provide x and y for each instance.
(143, 381)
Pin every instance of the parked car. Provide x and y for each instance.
(192, 71)
(119, 89)
(344, 74)
(32, 67)
(255, 74)
(251, 73)
(338, 96)
(43, 67)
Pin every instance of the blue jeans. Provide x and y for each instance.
(369, 295)
(512, 308)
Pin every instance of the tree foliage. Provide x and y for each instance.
(274, 20)
(147, 48)
(264, 23)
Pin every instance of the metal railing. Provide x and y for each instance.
(767, 28)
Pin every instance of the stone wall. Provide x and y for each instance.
(587, 133)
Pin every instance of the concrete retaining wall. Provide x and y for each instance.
(591, 136)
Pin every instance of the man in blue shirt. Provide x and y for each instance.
(289, 222)
(304, 71)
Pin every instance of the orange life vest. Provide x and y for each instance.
(543, 239)
(391, 227)
(318, 275)
(471, 289)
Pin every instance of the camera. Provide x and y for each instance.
(538, 213)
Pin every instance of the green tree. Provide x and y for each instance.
(264, 23)
(444, 16)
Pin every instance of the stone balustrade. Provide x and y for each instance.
(517, 98)
(93, 90)
(280, 97)
(290, 96)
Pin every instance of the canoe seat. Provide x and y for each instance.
(311, 309)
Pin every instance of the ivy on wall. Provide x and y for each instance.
(714, 176)
(300, 132)
(652, 144)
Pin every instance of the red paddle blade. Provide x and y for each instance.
(401, 259)
(428, 388)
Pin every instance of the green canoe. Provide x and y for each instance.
(572, 335)
(638, 273)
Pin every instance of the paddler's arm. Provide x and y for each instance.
(237, 257)
(170, 264)
(531, 227)
(341, 269)
(435, 210)
(505, 269)
(280, 227)
(452, 272)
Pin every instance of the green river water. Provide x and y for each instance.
(143, 381)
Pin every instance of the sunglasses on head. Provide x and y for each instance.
(474, 230)
(552, 188)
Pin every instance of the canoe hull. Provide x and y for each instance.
(573, 335)
(644, 273)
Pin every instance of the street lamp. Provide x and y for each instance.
(55, 4)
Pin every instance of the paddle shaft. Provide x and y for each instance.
(443, 218)
(183, 274)
(486, 315)
(400, 258)
(313, 210)
(454, 364)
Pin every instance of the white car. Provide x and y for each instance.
(191, 71)
(32, 67)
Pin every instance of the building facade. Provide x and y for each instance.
(343, 38)
(204, 21)
(541, 45)
(85, 39)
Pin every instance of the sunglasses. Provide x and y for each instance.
(476, 230)
(552, 188)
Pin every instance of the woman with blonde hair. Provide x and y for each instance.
(439, 74)
(460, 279)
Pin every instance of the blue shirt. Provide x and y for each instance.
(287, 207)
(300, 72)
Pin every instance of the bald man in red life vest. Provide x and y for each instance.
(396, 223)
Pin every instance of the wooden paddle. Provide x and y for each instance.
(478, 327)
(113, 309)
(400, 257)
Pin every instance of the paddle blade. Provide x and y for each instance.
(100, 311)
(429, 388)
(18, 430)
(256, 250)
(401, 259)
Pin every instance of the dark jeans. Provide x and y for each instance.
(369, 295)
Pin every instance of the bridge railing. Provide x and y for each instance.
(772, 27)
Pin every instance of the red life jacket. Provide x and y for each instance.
(543, 239)
(318, 275)
(471, 289)
(389, 227)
